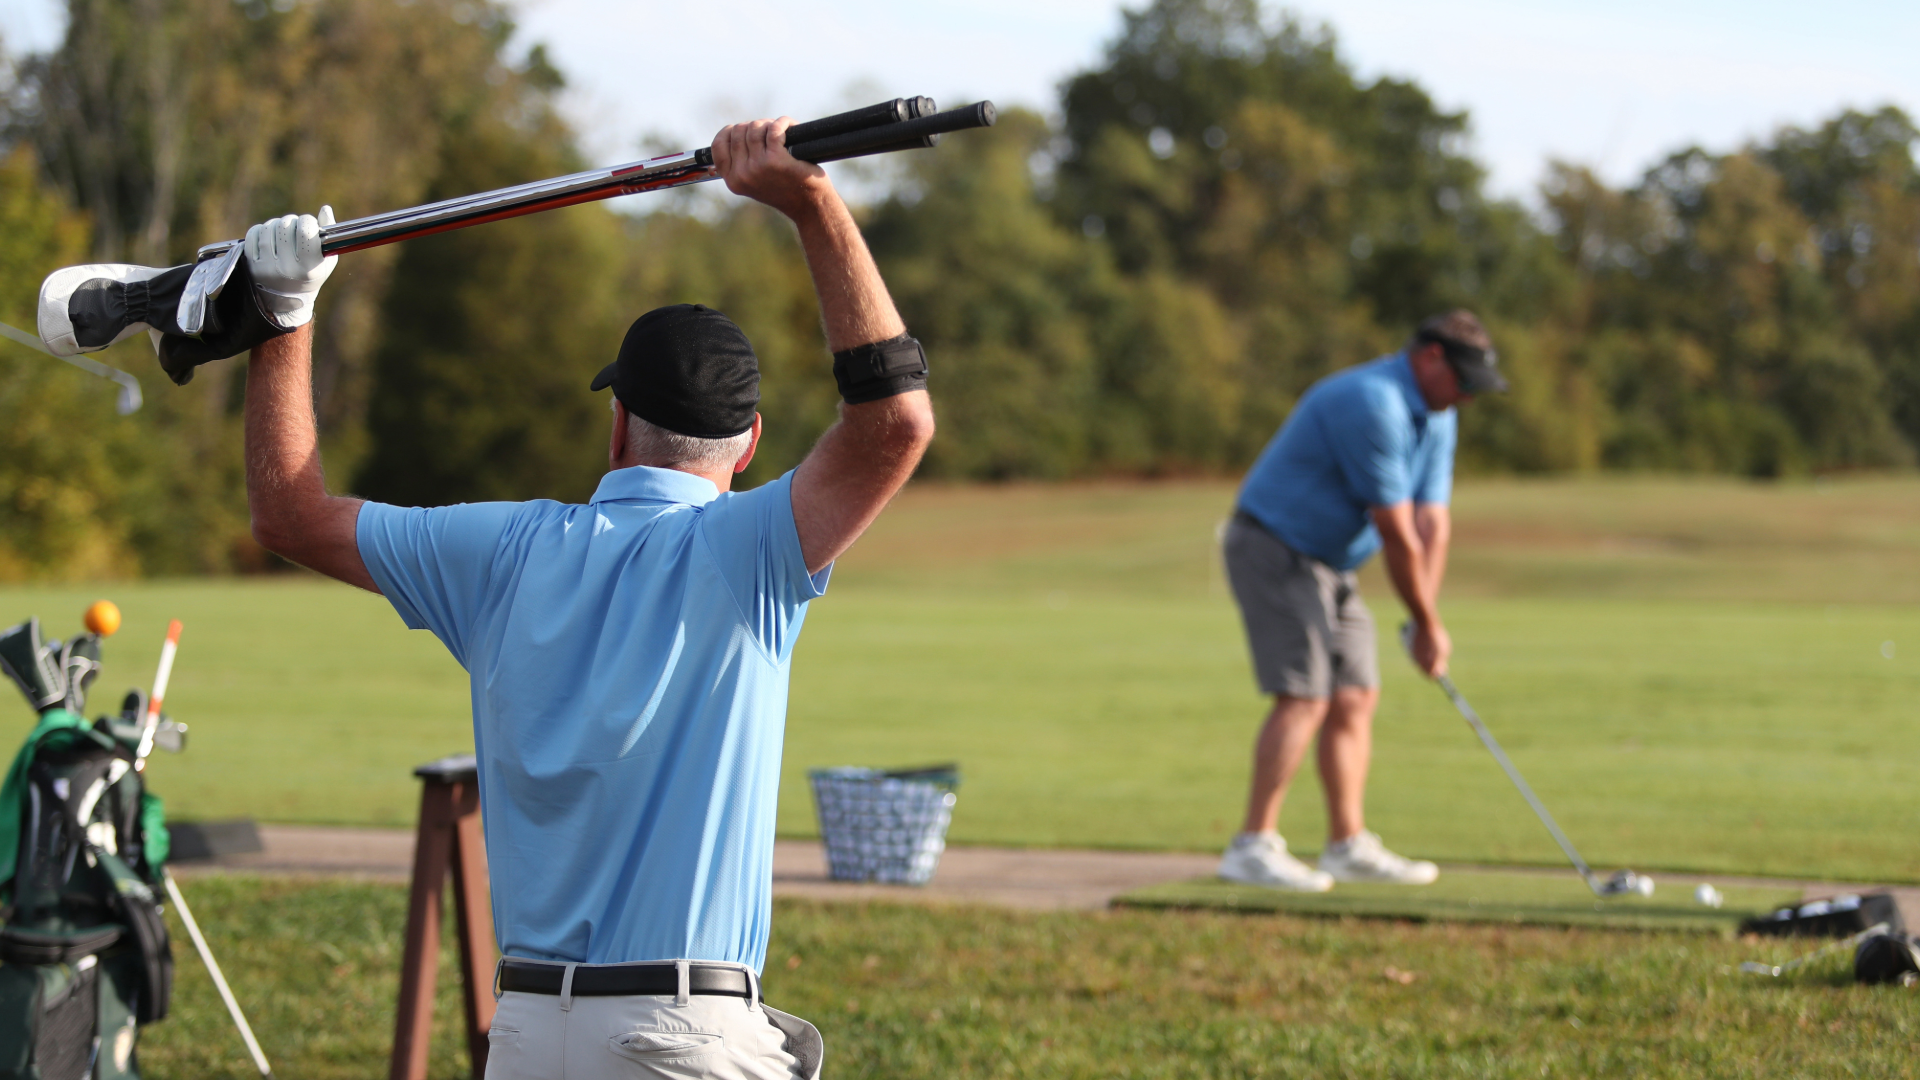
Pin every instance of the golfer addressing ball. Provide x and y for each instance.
(629, 657)
(1364, 463)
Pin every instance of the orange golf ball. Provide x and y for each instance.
(103, 618)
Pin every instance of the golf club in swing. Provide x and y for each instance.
(1622, 882)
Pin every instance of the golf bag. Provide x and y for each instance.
(84, 954)
(196, 314)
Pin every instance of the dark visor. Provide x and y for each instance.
(1477, 369)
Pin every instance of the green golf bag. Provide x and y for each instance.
(84, 955)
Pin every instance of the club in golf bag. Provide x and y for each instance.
(1622, 882)
(207, 310)
(85, 959)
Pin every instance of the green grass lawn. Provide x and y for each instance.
(1695, 675)
(905, 991)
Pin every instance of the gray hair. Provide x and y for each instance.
(651, 444)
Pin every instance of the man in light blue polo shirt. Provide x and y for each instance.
(628, 658)
(1364, 462)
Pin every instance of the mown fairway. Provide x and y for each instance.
(1693, 674)
(903, 991)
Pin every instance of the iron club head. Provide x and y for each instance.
(1625, 883)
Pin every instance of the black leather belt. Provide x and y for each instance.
(620, 980)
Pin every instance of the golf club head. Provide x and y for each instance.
(1625, 883)
(171, 736)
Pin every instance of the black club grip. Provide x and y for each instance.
(887, 112)
(905, 135)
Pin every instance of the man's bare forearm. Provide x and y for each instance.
(1434, 524)
(1407, 563)
(855, 469)
(1407, 568)
(855, 307)
(292, 514)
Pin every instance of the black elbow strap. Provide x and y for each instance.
(880, 370)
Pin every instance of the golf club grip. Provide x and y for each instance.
(887, 112)
(905, 135)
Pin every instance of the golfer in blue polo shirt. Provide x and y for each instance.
(628, 657)
(1364, 463)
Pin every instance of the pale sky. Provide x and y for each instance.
(1615, 86)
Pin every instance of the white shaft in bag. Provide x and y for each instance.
(167, 650)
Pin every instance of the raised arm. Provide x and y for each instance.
(293, 516)
(872, 450)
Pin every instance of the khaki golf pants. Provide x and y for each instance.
(543, 1037)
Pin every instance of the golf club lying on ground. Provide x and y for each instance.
(1776, 970)
(195, 318)
(1623, 882)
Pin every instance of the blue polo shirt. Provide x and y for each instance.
(628, 662)
(1358, 439)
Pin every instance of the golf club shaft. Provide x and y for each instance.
(1776, 970)
(1513, 774)
(835, 138)
(213, 969)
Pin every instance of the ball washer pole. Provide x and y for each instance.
(1623, 882)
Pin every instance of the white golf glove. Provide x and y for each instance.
(284, 257)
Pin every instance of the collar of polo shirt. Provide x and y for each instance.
(644, 483)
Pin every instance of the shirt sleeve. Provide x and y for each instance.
(1371, 444)
(752, 538)
(433, 564)
(1436, 479)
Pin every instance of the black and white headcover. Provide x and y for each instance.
(197, 313)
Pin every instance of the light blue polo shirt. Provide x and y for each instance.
(1358, 439)
(628, 661)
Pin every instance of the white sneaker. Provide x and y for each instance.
(1262, 859)
(1362, 857)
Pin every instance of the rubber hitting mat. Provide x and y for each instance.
(1527, 897)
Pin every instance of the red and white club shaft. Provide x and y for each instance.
(160, 677)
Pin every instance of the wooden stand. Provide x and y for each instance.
(449, 840)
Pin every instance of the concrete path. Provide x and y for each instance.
(968, 875)
(1001, 877)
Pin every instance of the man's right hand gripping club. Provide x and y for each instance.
(288, 269)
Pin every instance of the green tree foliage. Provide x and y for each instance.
(1223, 214)
(174, 123)
(84, 492)
(1228, 148)
(1752, 312)
(490, 336)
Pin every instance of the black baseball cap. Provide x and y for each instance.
(686, 368)
(1477, 369)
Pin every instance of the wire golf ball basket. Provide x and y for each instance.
(885, 826)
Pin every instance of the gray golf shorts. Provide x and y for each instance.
(1309, 630)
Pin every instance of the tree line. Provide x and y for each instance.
(1219, 213)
